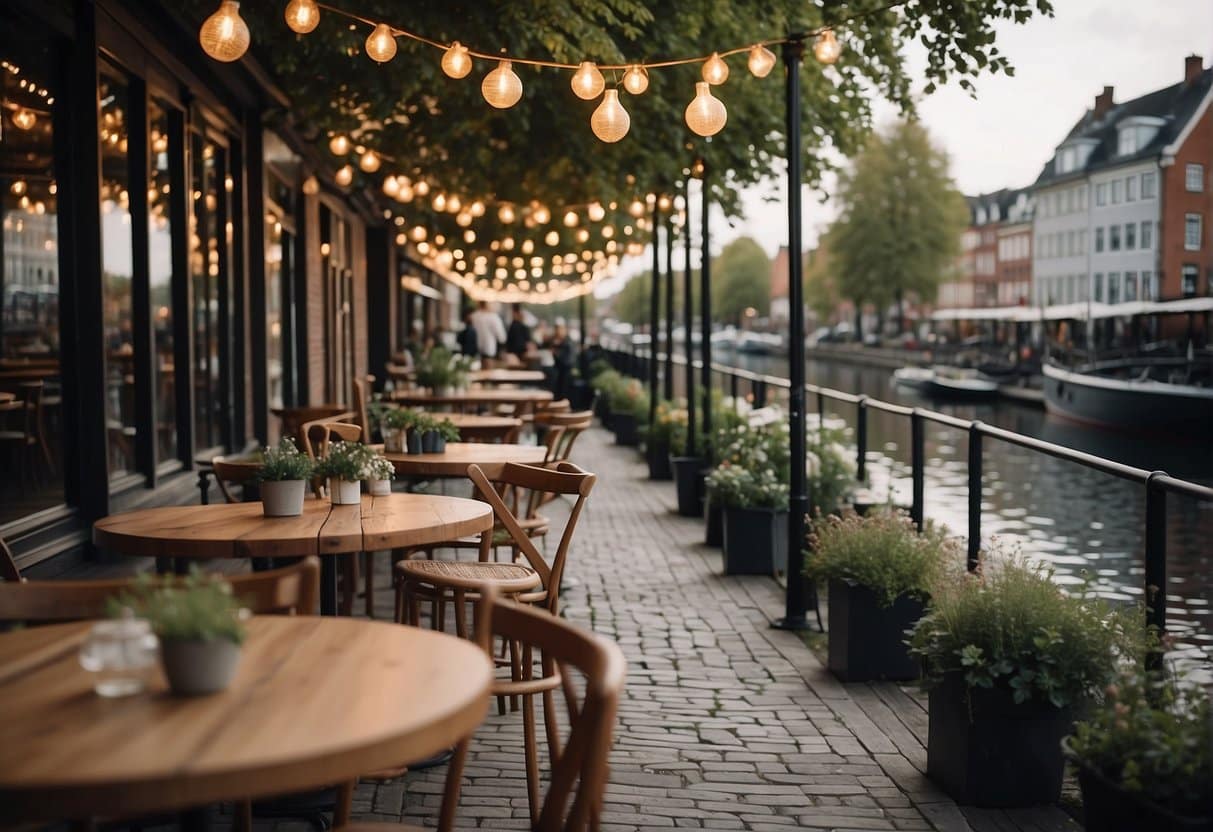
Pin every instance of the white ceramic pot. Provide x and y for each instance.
(283, 498)
(393, 440)
(345, 492)
(379, 488)
(195, 667)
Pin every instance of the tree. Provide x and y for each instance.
(631, 303)
(820, 282)
(741, 279)
(900, 221)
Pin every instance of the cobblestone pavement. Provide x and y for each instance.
(725, 723)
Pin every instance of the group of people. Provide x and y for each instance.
(486, 336)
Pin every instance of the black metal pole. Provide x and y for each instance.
(687, 322)
(669, 305)
(581, 333)
(705, 310)
(798, 497)
(654, 320)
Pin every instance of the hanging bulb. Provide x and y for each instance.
(715, 70)
(501, 87)
(541, 214)
(528, 246)
(636, 79)
(311, 186)
(406, 194)
(453, 204)
(608, 231)
(827, 48)
(339, 145)
(391, 186)
(224, 35)
(705, 115)
(570, 219)
(582, 235)
(24, 119)
(663, 202)
(595, 212)
(422, 188)
(552, 237)
(587, 81)
(381, 44)
(369, 161)
(344, 175)
(302, 16)
(506, 214)
(636, 209)
(469, 236)
(610, 122)
(417, 233)
(456, 62)
(439, 203)
(762, 61)
(477, 208)
(463, 219)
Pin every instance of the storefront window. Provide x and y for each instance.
(31, 398)
(277, 258)
(160, 278)
(207, 261)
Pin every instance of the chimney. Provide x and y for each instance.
(1193, 66)
(1103, 103)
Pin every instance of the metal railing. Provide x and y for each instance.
(1158, 485)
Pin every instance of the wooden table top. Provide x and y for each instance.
(458, 456)
(8, 397)
(477, 421)
(315, 701)
(241, 530)
(506, 375)
(481, 396)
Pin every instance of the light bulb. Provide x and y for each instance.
(477, 208)
(636, 209)
(570, 219)
(506, 214)
(528, 246)
(552, 237)
(391, 186)
(595, 211)
(541, 214)
(224, 35)
(663, 202)
(469, 236)
(439, 203)
(302, 15)
(417, 233)
(636, 79)
(608, 231)
(344, 175)
(24, 119)
(456, 62)
(827, 48)
(369, 161)
(762, 61)
(453, 204)
(406, 194)
(715, 70)
(381, 44)
(311, 186)
(422, 188)
(587, 81)
(463, 219)
(610, 122)
(582, 235)
(339, 145)
(705, 115)
(501, 87)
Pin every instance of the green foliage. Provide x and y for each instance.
(442, 368)
(379, 468)
(900, 223)
(631, 303)
(348, 461)
(197, 607)
(446, 429)
(1150, 737)
(670, 419)
(284, 462)
(623, 394)
(400, 418)
(741, 279)
(1012, 627)
(883, 552)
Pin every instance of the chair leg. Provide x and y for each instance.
(345, 802)
(550, 726)
(461, 627)
(532, 756)
(242, 816)
(454, 782)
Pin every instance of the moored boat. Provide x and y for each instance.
(1134, 394)
(954, 383)
(914, 378)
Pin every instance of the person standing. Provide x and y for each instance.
(469, 342)
(519, 334)
(562, 360)
(490, 331)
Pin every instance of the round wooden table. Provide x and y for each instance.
(315, 701)
(476, 426)
(483, 397)
(241, 530)
(454, 461)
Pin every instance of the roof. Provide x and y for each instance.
(1004, 205)
(1176, 105)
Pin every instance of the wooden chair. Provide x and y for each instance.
(8, 564)
(293, 418)
(28, 439)
(359, 407)
(574, 425)
(233, 471)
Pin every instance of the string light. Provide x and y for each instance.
(636, 79)
(570, 219)
(24, 119)
(369, 161)
(595, 211)
(302, 16)
(501, 88)
(422, 188)
(552, 238)
(541, 214)
(587, 82)
(381, 44)
(715, 70)
(610, 122)
(391, 186)
(456, 62)
(506, 214)
(344, 175)
(826, 48)
(224, 35)
(705, 115)
(762, 61)
(339, 145)
(636, 209)
(663, 202)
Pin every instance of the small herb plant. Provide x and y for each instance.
(345, 461)
(379, 468)
(197, 607)
(285, 462)
(1150, 737)
(883, 552)
(399, 418)
(446, 429)
(1010, 626)
(442, 368)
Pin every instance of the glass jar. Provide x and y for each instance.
(120, 653)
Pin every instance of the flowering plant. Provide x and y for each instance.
(379, 468)
(349, 461)
(284, 462)
(399, 418)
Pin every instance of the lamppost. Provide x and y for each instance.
(687, 321)
(654, 322)
(668, 378)
(705, 307)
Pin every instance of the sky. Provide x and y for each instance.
(1004, 135)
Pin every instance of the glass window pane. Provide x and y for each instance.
(160, 279)
(205, 268)
(276, 252)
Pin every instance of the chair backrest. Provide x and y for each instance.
(578, 769)
(292, 590)
(293, 418)
(574, 425)
(318, 434)
(563, 478)
(551, 441)
(233, 472)
(8, 564)
(359, 408)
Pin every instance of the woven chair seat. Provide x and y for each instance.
(507, 577)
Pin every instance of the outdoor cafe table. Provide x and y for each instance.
(315, 702)
(481, 397)
(500, 375)
(241, 530)
(454, 461)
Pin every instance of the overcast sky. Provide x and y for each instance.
(1003, 136)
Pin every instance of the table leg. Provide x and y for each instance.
(204, 486)
(328, 586)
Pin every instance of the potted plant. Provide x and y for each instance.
(283, 479)
(603, 380)
(659, 439)
(1008, 655)
(879, 571)
(420, 425)
(442, 371)
(629, 409)
(438, 432)
(345, 466)
(755, 527)
(394, 425)
(688, 471)
(379, 475)
(1143, 756)
(200, 626)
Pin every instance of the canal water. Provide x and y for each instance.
(1088, 526)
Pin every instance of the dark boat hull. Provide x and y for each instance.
(961, 389)
(1128, 405)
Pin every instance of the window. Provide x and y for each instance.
(1071, 242)
(1192, 232)
(1070, 196)
(1130, 236)
(1147, 234)
(1131, 189)
(1101, 194)
(1147, 186)
(210, 257)
(160, 278)
(1127, 142)
(1147, 285)
(1082, 198)
(1082, 242)
(1097, 288)
(1188, 279)
(1117, 187)
(1113, 287)
(1098, 240)
(1113, 238)
(1194, 178)
(1130, 286)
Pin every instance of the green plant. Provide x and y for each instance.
(629, 396)
(733, 486)
(1011, 627)
(671, 419)
(379, 468)
(345, 461)
(442, 368)
(399, 418)
(883, 552)
(422, 423)
(378, 409)
(197, 607)
(446, 429)
(284, 462)
(1150, 737)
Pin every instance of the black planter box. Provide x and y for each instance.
(713, 524)
(1108, 808)
(755, 541)
(658, 456)
(625, 427)
(688, 483)
(866, 639)
(580, 394)
(1005, 756)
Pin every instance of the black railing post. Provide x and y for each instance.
(758, 388)
(1156, 553)
(654, 322)
(733, 389)
(975, 479)
(705, 308)
(861, 439)
(917, 465)
(668, 383)
(687, 323)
